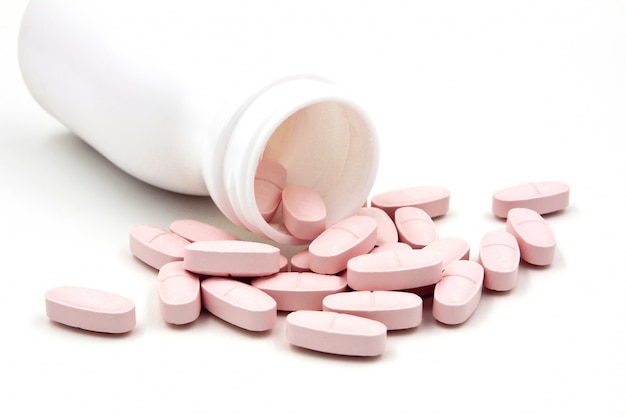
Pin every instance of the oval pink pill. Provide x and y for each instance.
(155, 246)
(415, 227)
(284, 264)
(543, 197)
(434, 200)
(236, 258)
(269, 181)
(458, 293)
(239, 303)
(395, 309)
(194, 231)
(301, 261)
(391, 246)
(179, 294)
(394, 270)
(450, 248)
(386, 231)
(534, 236)
(90, 309)
(336, 333)
(299, 290)
(304, 212)
(329, 252)
(500, 256)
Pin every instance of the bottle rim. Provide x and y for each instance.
(247, 137)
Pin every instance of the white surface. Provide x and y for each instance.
(473, 96)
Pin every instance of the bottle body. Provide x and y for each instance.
(127, 79)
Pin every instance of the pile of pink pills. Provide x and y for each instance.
(357, 280)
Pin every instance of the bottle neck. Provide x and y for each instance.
(311, 127)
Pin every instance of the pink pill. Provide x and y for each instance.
(239, 303)
(450, 248)
(386, 231)
(395, 309)
(304, 212)
(179, 294)
(90, 309)
(155, 246)
(394, 270)
(434, 200)
(391, 246)
(534, 236)
(236, 258)
(543, 197)
(329, 252)
(299, 290)
(269, 181)
(284, 264)
(458, 293)
(500, 256)
(301, 261)
(336, 333)
(195, 231)
(415, 227)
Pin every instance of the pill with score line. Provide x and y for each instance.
(299, 290)
(330, 251)
(458, 293)
(238, 303)
(336, 333)
(179, 294)
(304, 212)
(269, 181)
(434, 200)
(156, 246)
(397, 310)
(499, 255)
(415, 227)
(394, 270)
(235, 258)
(543, 197)
(534, 236)
(90, 309)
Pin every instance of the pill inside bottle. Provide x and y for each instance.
(327, 147)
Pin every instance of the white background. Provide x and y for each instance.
(474, 96)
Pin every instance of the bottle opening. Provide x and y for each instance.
(321, 139)
(326, 147)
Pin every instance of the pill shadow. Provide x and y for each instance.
(488, 215)
(497, 294)
(399, 333)
(69, 167)
(66, 155)
(429, 322)
(427, 317)
(526, 269)
(558, 214)
(334, 357)
(93, 334)
(139, 262)
(201, 320)
(213, 320)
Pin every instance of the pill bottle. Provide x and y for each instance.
(191, 101)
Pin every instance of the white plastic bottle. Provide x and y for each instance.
(189, 99)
